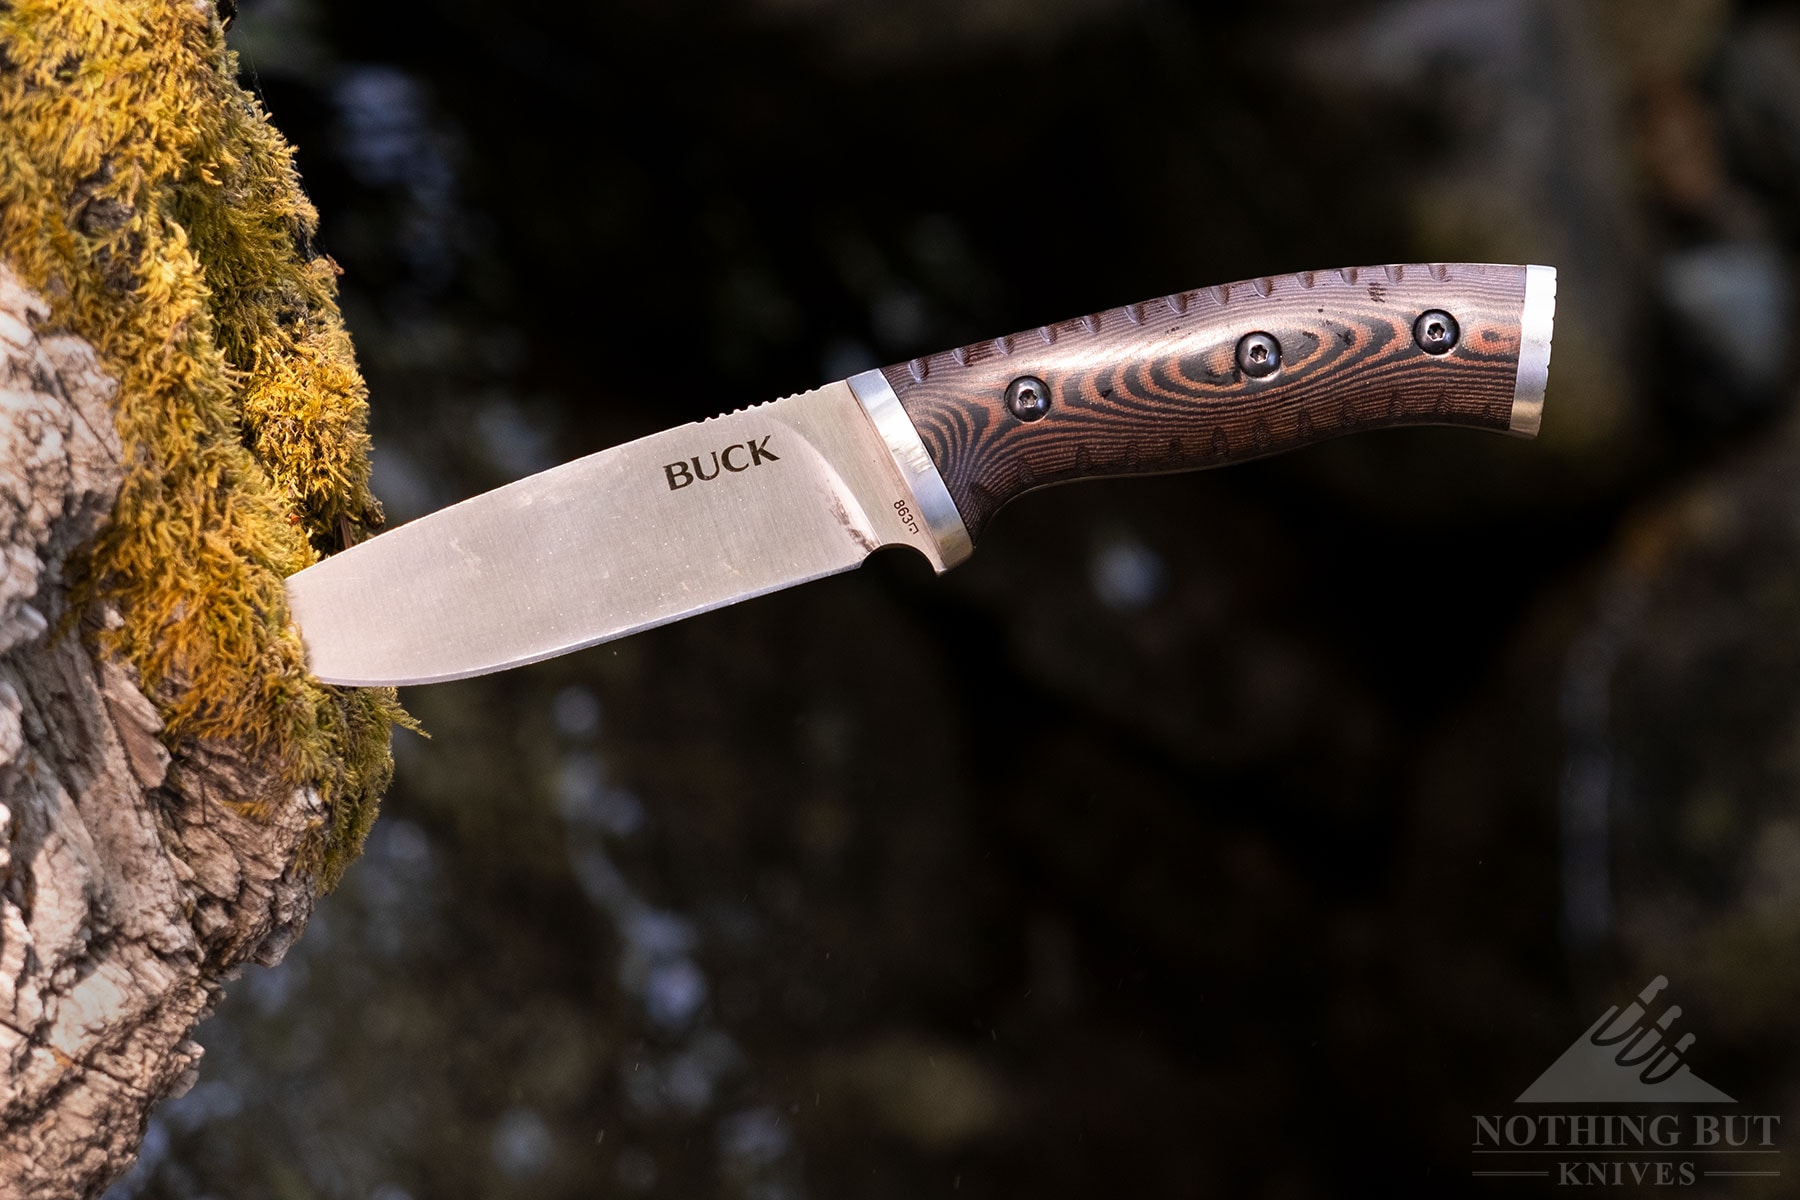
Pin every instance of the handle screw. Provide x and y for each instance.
(1436, 331)
(1027, 398)
(1258, 355)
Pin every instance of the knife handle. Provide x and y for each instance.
(1234, 372)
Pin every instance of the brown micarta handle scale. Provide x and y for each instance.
(1157, 387)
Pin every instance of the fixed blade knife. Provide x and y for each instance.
(922, 454)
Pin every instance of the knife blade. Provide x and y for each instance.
(922, 454)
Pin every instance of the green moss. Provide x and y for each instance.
(146, 196)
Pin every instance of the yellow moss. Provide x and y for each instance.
(146, 196)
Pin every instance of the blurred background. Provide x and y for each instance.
(1232, 834)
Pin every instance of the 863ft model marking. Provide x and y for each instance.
(905, 512)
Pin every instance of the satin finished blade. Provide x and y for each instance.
(639, 535)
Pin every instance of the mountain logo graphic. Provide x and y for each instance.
(1625, 1057)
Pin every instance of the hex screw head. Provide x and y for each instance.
(1027, 398)
(1436, 331)
(1258, 355)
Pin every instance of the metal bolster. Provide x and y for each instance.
(917, 471)
(1535, 323)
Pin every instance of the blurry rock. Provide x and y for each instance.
(521, 1144)
(1759, 85)
(1679, 43)
(751, 1142)
(1187, 638)
(1702, 800)
(636, 1171)
(1127, 576)
(283, 38)
(900, 34)
(1197, 798)
(1417, 43)
(1730, 308)
(933, 1093)
(1680, 150)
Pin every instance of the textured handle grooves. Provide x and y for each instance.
(1156, 387)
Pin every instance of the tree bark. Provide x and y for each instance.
(182, 425)
(130, 883)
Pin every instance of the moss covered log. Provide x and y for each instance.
(182, 425)
(146, 197)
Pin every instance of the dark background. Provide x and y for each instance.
(1233, 834)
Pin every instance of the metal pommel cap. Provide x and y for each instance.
(1535, 326)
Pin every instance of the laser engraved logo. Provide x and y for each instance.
(739, 456)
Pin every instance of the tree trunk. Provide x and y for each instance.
(181, 425)
(130, 883)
